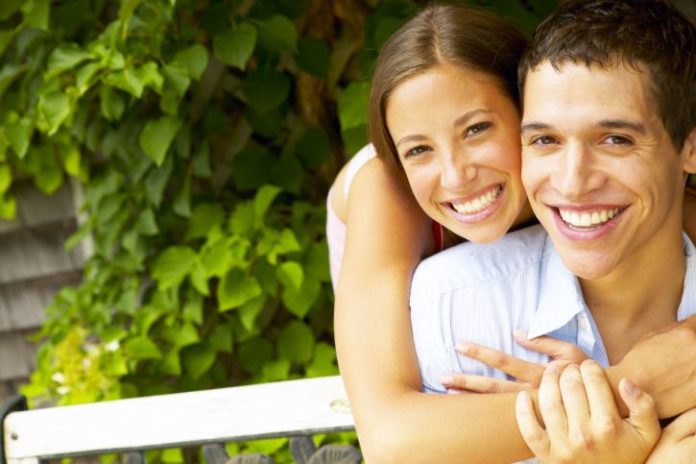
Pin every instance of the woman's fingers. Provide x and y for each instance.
(532, 432)
(551, 347)
(599, 395)
(480, 384)
(501, 361)
(575, 403)
(682, 427)
(642, 412)
(551, 405)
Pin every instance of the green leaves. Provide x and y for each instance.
(277, 34)
(172, 266)
(352, 105)
(64, 58)
(313, 56)
(54, 110)
(157, 136)
(296, 342)
(142, 348)
(235, 289)
(235, 45)
(192, 61)
(266, 89)
(18, 133)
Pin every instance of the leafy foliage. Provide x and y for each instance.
(205, 134)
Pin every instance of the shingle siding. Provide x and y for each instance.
(34, 265)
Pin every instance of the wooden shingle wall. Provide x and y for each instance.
(33, 267)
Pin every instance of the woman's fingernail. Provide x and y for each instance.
(552, 368)
(462, 347)
(630, 387)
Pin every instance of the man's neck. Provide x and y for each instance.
(641, 295)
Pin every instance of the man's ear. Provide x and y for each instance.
(689, 152)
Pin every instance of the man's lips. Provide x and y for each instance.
(586, 222)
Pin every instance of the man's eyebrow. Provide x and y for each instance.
(532, 126)
(621, 124)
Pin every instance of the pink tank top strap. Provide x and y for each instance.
(438, 235)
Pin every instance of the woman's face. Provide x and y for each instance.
(458, 138)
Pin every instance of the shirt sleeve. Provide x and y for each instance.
(426, 322)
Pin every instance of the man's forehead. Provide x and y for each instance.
(551, 89)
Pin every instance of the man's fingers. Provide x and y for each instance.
(532, 432)
(480, 384)
(642, 412)
(501, 361)
(552, 347)
(682, 427)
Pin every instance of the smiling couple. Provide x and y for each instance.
(608, 130)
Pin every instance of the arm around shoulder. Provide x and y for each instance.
(387, 234)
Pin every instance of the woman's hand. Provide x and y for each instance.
(527, 374)
(678, 441)
(582, 422)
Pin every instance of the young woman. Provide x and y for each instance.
(445, 122)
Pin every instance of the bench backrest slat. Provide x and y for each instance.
(228, 414)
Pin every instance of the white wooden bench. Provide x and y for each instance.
(205, 418)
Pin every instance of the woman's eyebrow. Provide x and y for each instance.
(463, 119)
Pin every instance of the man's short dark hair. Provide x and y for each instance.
(649, 33)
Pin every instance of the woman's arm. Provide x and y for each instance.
(387, 234)
(690, 213)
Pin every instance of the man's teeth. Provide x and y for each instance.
(477, 204)
(588, 219)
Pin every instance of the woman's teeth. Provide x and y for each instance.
(587, 219)
(478, 204)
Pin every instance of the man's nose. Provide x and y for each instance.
(577, 173)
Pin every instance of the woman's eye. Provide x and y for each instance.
(477, 128)
(415, 151)
(543, 140)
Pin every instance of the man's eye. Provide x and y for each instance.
(415, 151)
(618, 140)
(543, 140)
(478, 128)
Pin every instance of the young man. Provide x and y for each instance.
(609, 137)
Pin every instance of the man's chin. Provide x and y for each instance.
(586, 264)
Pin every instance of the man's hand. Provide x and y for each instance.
(581, 419)
(663, 364)
(527, 374)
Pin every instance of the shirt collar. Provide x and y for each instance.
(560, 296)
(687, 306)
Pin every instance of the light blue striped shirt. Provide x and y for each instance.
(481, 293)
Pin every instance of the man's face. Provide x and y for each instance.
(599, 168)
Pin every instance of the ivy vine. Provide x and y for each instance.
(205, 134)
